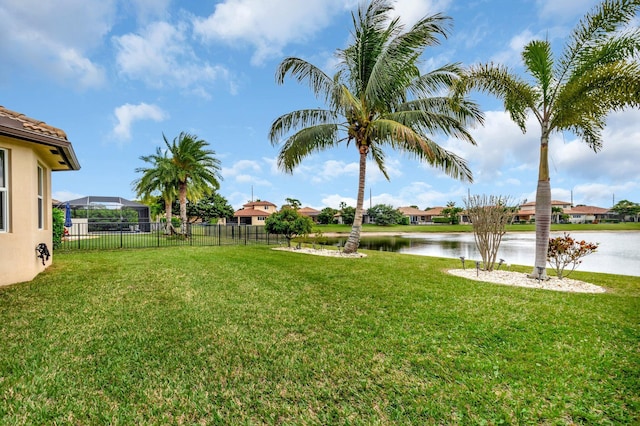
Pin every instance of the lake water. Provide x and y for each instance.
(618, 252)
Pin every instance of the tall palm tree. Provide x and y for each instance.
(378, 99)
(159, 177)
(596, 73)
(195, 169)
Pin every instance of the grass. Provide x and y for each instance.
(248, 335)
(578, 227)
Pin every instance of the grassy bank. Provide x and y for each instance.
(628, 226)
(248, 335)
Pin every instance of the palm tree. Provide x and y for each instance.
(195, 169)
(158, 178)
(378, 99)
(596, 73)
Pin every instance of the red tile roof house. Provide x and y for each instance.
(310, 212)
(587, 214)
(527, 211)
(29, 151)
(416, 216)
(437, 212)
(254, 213)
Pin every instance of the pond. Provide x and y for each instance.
(618, 252)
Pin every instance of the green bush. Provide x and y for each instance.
(58, 227)
(440, 220)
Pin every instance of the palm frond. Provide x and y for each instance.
(538, 60)
(309, 140)
(320, 83)
(286, 123)
(518, 96)
(598, 25)
(407, 140)
(378, 156)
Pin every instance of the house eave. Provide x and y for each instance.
(61, 148)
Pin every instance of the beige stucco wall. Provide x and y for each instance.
(18, 261)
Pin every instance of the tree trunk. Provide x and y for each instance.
(168, 214)
(183, 206)
(351, 246)
(543, 211)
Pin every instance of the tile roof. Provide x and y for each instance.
(309, 211)
(258, 203)
(412, 211)
(250, 213)
(32, 124)
(587, 210)
(435, 211)
(553, 203)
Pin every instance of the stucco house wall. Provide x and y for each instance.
(28, 144)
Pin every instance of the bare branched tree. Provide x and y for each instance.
(489, 216)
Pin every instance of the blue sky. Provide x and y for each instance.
(116, 75)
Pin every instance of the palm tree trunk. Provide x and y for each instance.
(543, 211)
(183, 206)
(351, 246)
(168, 214)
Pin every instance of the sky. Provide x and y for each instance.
(117, 75)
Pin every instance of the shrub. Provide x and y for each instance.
(288, 222)
(564, 251)
(58, 227)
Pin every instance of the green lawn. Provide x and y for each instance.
(249, 335)
(627, 226)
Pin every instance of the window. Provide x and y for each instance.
(4, 190)
(40, 198)
(262, 217)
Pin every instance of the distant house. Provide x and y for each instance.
(254, 213)
(577, 214)
(527, 211)
(415, 215)
(433, 212)
(310, 212)
(586, 214)
(29, 151)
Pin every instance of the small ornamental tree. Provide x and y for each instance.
(288, 222)
(489, 217)
(565, 251)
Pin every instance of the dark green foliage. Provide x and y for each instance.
(348, 214)
(625, 209)
(327, 216)
(385, 214)
(452, 212)
(288, 222)
(58, 227)
(207, 209)
(107, 215)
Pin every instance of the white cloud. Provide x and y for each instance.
(410, 10)
(333, 169)
(65, 195)
(160, 56)
(127, 114)
(512, 55)
(50, 37)
(267, 26)
(564, 10)
(147, 10)
(618, 159)
(334, 201)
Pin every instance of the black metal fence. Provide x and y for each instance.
(117, 235)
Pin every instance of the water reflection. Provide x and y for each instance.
(618, 253)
